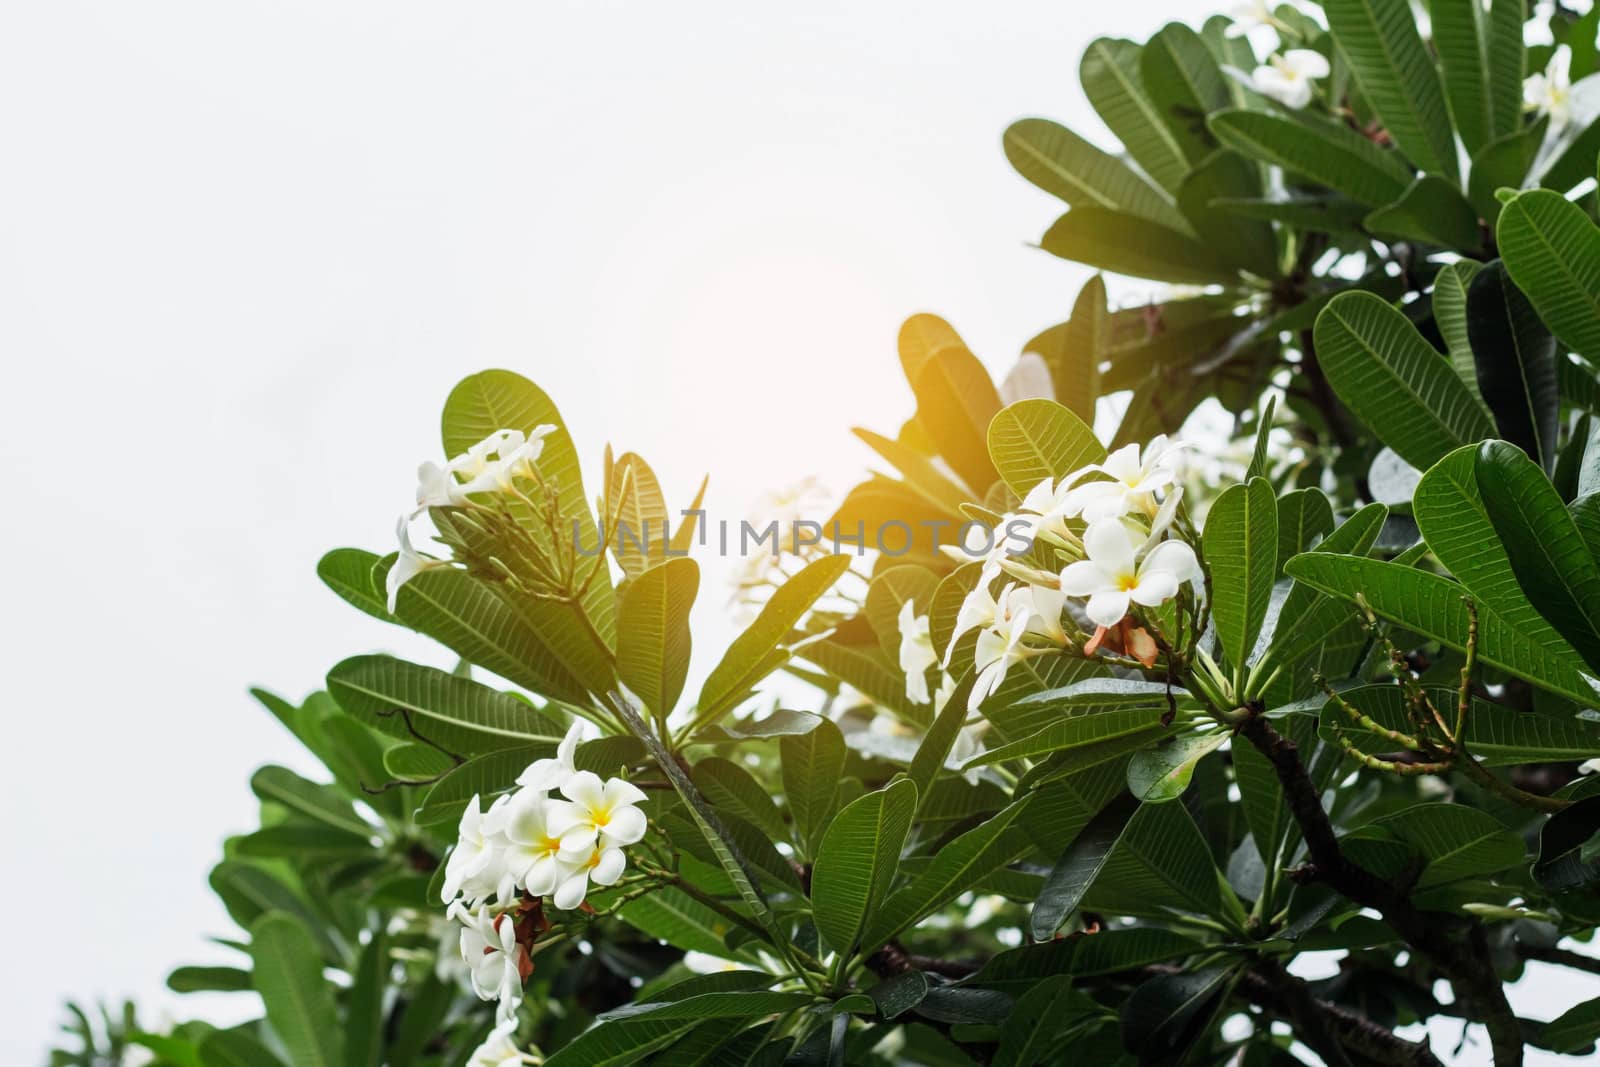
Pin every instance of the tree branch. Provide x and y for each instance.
(1454, 944)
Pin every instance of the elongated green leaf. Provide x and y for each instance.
(1167, 1013)
(1325, 152)
(1552, 251)
(1079, 866)
(1450, 512)
(485, 776)
(653, 643)
(1566, 861)
(1503, 163)
(812, 765)
(1454, 842)
(1160, 861)
(1226, 175)
(639, 510)
(746, 661)
(628, 1038)
(679, 920)
(1065, 165)
(348, 572)
(1073, 354)
(1547, 552)
(1032, 1031)
(1482, 59)
(1184, 85)
(1515, 356)
(287, 972)
(410, 701)
(1241, 544)
(1308, 616)
(1305, 517)
(1450, 313)
(1394, 381)
(955, 401)
(937, 744)
(1432, 211)
(858, 858)
(1162, 773)
(956, 868)
(1110, 76)
(870, 669)
(1032, 440)
(364, 1015)
(1575, 1030)
(1105, 953)
(1435, 607)
(320, 802)
(235, 1048)
(1077, 731)
(1127, 244)
(471, 618)
(1497, 736)
(731, 789)
(208, 980)
(888, 592)
(1396, 75)
(922, 475)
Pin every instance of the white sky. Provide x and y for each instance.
(245, 250)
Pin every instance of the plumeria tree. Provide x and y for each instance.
(1045, 746)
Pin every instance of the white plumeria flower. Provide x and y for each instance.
(1591, 766)
(1249, 15)
(916, 652)
(1287, 78)
(1044, 606)
(603, 866)
(493, 464)
(532, 857)
(437, 488)
(1135, 478)
(596, 812)
(978, 609)
(498, 1049)
(553, 772)
(968, 745)
(489, 946)
(407, 564)
(1000, 646)
(1112, 576)
(1536, 31)
(1550, 93)
(474, 864)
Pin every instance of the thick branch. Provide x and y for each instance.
(1454, 944)
(1270, 986)
(1561, 957)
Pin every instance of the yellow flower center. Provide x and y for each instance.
(1127, 582)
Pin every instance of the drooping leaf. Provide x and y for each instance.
(1547, 552)
(1065, 165)
(1079, 866)
(1032, 440)
(1072, 351)
(1109, 240)
(348, 572)
(1450, 313)
(1110, 75)
(1394, 381)
(812, 764)
(287, 972)
(1326, 152)
(1184, 84)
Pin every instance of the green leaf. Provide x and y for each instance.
(1241, 549)
(955, 401)
(1562, 866)
(870, 669)
(678, 919)
(1397, 77)
(1110, 75)
(1077, 731)
(1326, 152)
(1184, 85)
(1066, 166)
(1110, 240)
(1484, 103)
(653, 642)
(320, 802)
(1033, 1029)
(1394, 381)
(1454, 842)
(1450, 313)
(410, 701)
(1497, 736)
(1435, 607)
(891, 587)
(1166, 1014)
(348, 572)
(1503, 163)
(1162, 773)
(1552, 252)
(1547, 552)
(235, 1048)
(956, 868)
(472, 619)
(1432, 211)
(485, 776)
(364, 1014)
(1305, 517)
(1308, 616)
(502, 400)
(208, 980)
(923, 476)
(639, 510)
(1074, 357)
(1160, 861)
(1515, 357)
(748, 659)
(1574, 1031)
(858, 858)
(287, 972)
(301, 841)
(812, 764)
(629, 1034)
(1032, 440)
(1450, 512)
(1109, 952)
(1079, 866)
(731, 789)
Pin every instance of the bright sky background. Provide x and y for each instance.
(245, 250)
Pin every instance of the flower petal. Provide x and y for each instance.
(1107, 608)
(626, 826)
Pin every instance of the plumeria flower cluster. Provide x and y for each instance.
(1112, 522)
(1549, 93)
(493, 465)
(1287, 77)
(917, 658)
(560, 831)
